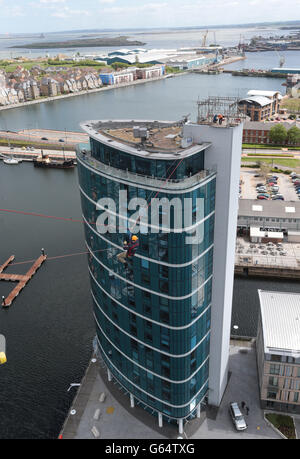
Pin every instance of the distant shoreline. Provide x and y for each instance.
(83, 43)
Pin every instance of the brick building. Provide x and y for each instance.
(258, 132)
(260, 105)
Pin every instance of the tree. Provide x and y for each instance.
(293, 135)
(278, 134)
(264, 168)
(119, 65)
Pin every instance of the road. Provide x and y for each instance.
(53, 137)
(35, 153)
(267, 151)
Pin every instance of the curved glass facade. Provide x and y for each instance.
(153, 320)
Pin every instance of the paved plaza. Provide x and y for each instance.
(118, 421)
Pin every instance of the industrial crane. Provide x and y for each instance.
(281, 59)
(204, 38)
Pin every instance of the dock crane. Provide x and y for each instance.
(281, 59)
(204, 38)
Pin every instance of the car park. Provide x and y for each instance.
(237, 417)
(264, 194)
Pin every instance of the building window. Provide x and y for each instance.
(273, 381)
(272, 395)
(164, 317)
(276, 358)
(274, 369)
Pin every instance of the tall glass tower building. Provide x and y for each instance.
(155, 317)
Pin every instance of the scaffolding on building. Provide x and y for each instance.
(219, 111)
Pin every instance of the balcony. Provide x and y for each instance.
(84, 156)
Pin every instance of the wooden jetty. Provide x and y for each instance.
(21, 280)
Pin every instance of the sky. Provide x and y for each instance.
(25, 16)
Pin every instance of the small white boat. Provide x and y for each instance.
(11, 161)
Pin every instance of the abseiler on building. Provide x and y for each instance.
(163, 319)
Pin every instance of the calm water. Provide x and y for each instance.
(155, 38)
(164, 99)
(49, 328)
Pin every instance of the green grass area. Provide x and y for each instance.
(283, 423)
(11, 67)
(277, 161)
(273, 155)
(268, 147)
(292, 104)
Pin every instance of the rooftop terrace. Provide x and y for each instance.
(158, 139)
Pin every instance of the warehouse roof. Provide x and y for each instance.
(256, 92)
(267, 125)
(275, 209)
(280, 314)
(260, 100)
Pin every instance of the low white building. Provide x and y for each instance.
(278, 351)
(257, 235)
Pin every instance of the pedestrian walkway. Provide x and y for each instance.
(113, 418)
(242, 386)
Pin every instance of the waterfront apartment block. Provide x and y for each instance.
(260, 105)
(278, 351)
(163, 321)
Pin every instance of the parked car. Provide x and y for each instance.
(261, 188)
(275, 188)
(264, 194)
(262, 197)
(260, 184)
(278, 198)
(237, 417)
(44, 138)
